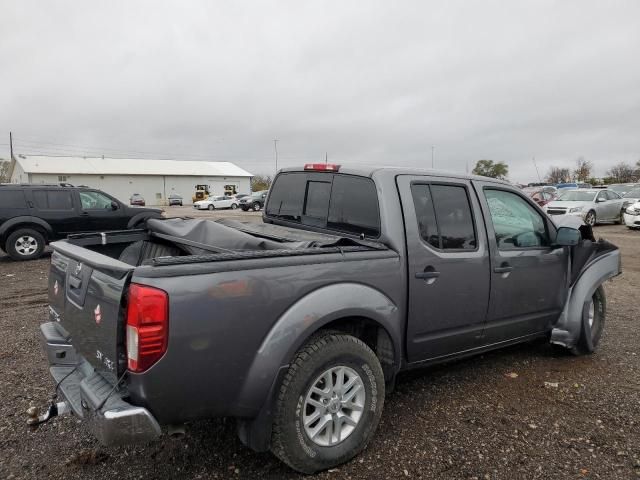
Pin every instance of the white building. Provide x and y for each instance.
(155, 180)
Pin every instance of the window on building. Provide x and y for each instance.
(62, 178)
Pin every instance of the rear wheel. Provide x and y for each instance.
(211, 207)
(590, 219)
(329, 403)
(620, 219)
(234, 206)
(25, 244)
(594, 314)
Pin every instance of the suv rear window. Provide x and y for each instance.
(345, 203)
(12, 199)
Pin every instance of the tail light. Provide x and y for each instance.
(147, 326)
(322, 167)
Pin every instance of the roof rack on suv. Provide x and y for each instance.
(36, 185)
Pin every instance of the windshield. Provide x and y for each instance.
(576, 196)
(620, 188)
(258, 194)
(635, 193)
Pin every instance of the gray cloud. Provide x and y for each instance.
(367, 82)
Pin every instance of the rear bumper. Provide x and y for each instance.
(112, 420)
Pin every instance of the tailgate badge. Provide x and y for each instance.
(55, 287)
(98, 315)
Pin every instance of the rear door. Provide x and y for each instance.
(528, 276)
(57, 207)
(448, 266)
(99, 214)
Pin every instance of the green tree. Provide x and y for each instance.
(489, 168)
(260, 182)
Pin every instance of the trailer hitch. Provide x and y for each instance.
(53, 410)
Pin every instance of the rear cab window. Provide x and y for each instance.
(333, 201)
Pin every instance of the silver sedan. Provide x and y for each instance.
(593, 206)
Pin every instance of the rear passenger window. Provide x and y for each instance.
(53, 200)
(444, 216)
(12, 199)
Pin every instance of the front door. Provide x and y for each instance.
(448, 265)
(528, 275)
(97, 210)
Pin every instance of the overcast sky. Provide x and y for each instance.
(368, 82)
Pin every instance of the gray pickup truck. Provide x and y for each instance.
(298, 326)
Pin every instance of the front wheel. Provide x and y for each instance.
(25, 244)
(256, 207)
(620, 219)
(234, 206)
(211, 207)
(329, 403)
(590, 219)
(593, 318)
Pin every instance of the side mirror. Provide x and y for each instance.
(567, 237)
(114, 206)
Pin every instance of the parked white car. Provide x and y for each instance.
(593, 206)
(632, 215)
(212, 203)
(632, 196)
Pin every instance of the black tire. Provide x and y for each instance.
(256, 206)
(245, 209)
(211, 207)
(620, 219)
(234, 206)
(591, 334)
(590, 218)
(290, 441)
(28, 249)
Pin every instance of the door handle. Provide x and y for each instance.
(427, 275)
(85, 214)
(504, 268)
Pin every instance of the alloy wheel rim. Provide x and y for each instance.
(333, 406)
(26, 245)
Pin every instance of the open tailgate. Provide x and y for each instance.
(86, 298)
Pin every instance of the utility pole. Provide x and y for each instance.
(433, 148)
(275, 147)
(534, 164)
(326, 157)
(11, 145)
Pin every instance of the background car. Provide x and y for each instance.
(211, 203)
(255, 201)
(241, 195)
(175, 199)
(632, 196)
(32, 215)
(632, 216)
(592, 205)
(541, 197)
(137, 199)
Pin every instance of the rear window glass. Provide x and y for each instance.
(444, 216)
(53, 200)
(337, 202)
(12, 199)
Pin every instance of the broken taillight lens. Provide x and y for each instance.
(147, 326)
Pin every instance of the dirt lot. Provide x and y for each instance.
(469, 419)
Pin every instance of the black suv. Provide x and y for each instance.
(33, 215)
(255, 201)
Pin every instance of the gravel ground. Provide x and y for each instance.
(469, 419)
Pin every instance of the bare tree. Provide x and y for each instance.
(583, 170)
(622, 173)
(558, 175)
(4, 171)
(260, 182)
